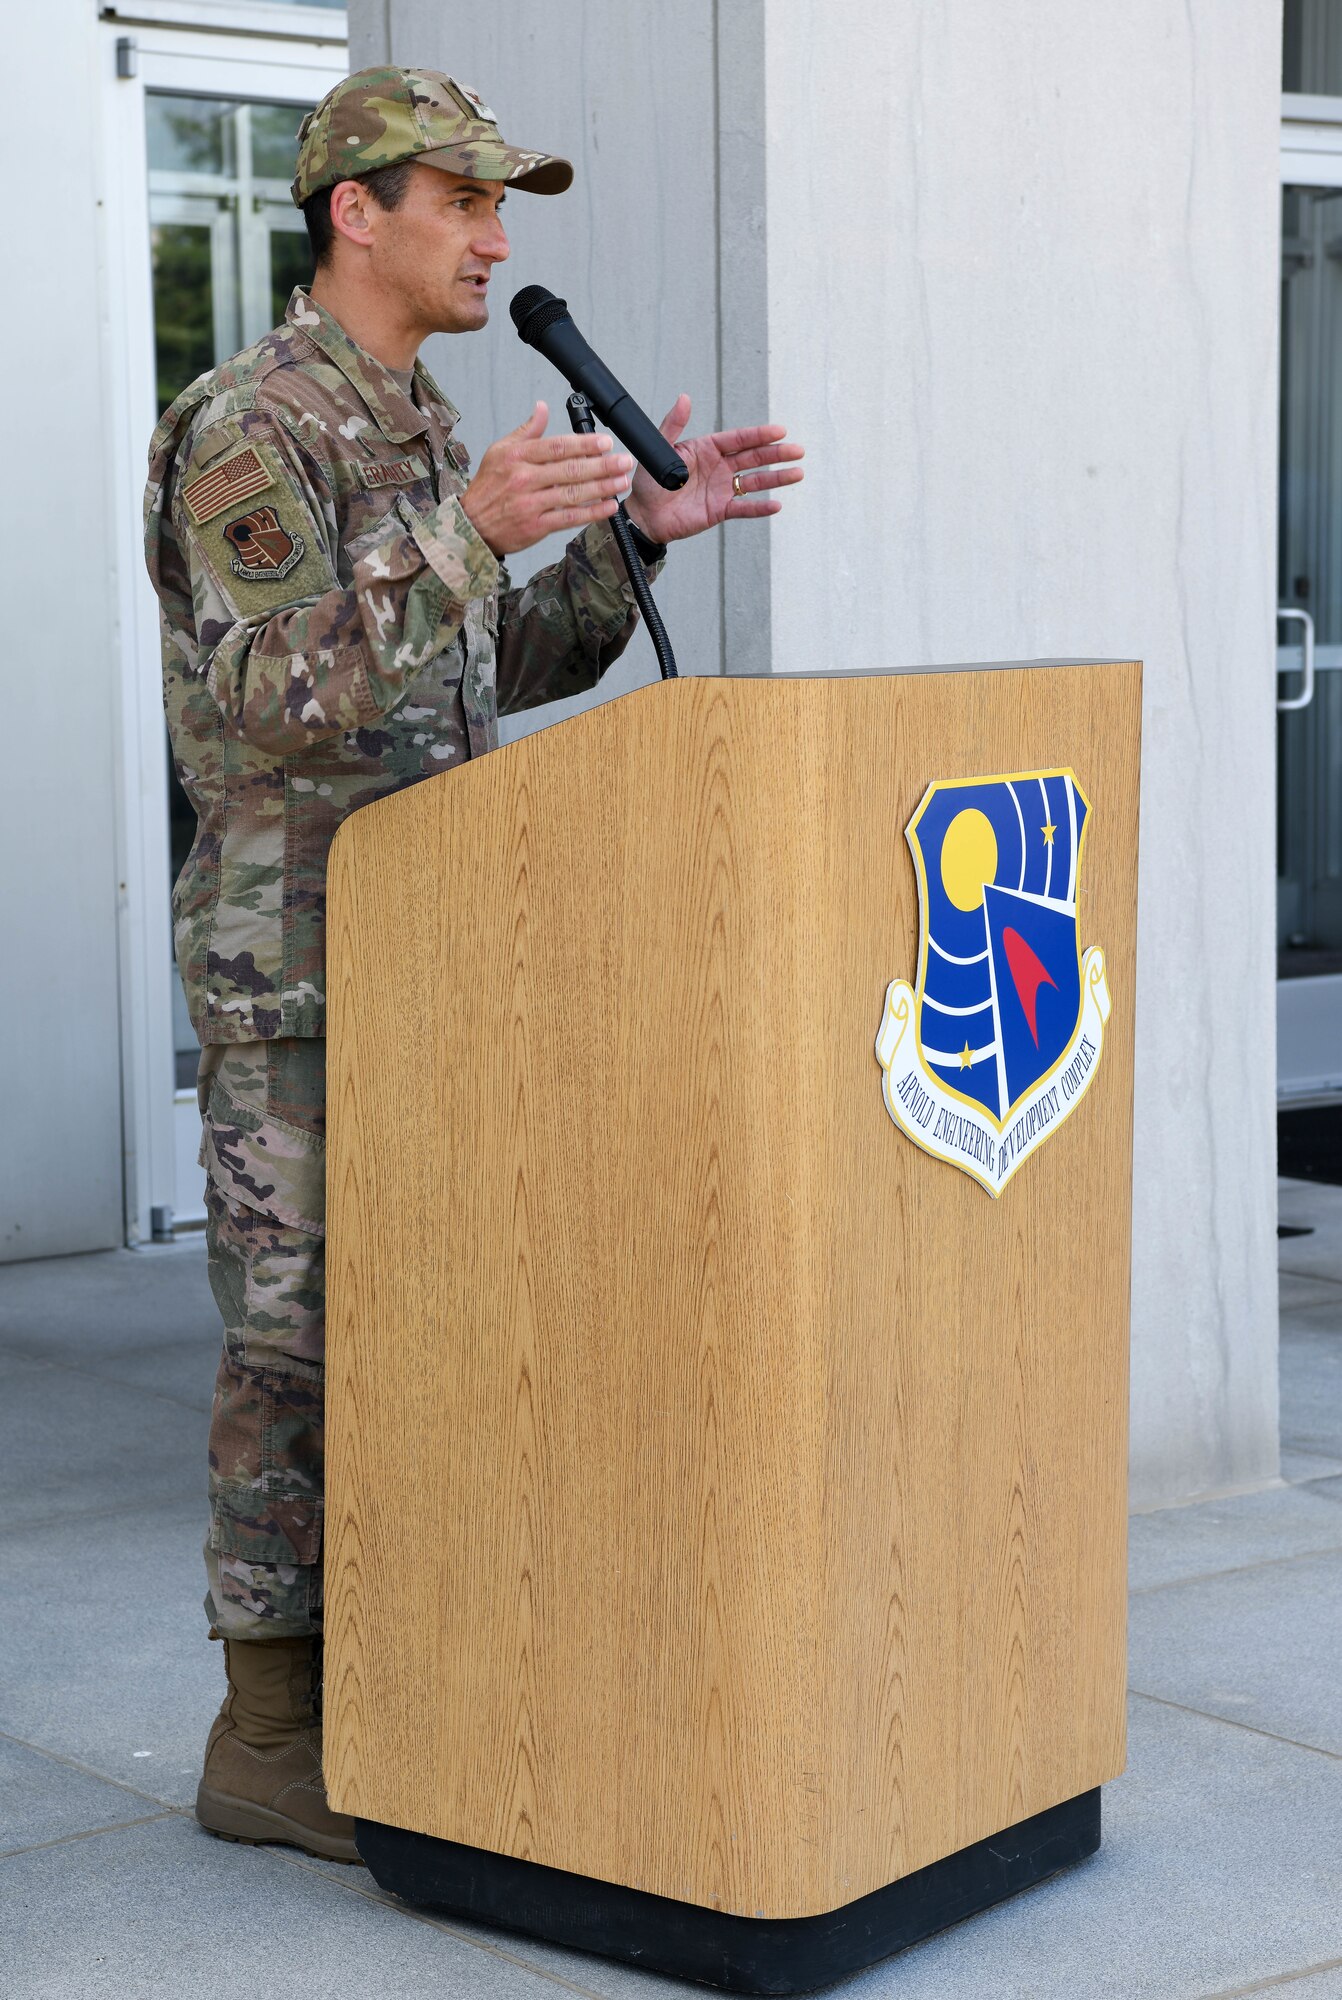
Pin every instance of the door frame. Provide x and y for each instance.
(160, 1125)
(1309, 1009)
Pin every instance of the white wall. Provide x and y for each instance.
(60, 1163)
(1010, 272)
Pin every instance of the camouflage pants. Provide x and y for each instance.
(263, 1107)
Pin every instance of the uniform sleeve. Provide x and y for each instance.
(289, 654)
(559, 633)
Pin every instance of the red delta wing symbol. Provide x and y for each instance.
(1028, 974)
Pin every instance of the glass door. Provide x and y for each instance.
(227, 247)
(1309, 558)
(227, 244)
(205, 247)
(1309, 736)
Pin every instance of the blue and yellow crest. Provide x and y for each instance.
(1001, 1038)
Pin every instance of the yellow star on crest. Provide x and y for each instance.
(1048, 833)
(966, 1059)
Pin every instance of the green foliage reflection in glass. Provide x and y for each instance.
(228, 246)
(183, 307)
(275, 140)
(189, 134)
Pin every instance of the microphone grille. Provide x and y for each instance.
(533, 309)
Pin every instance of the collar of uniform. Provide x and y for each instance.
(449, 415)
(396, 414)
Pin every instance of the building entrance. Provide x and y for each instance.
(207, 246)
(227, 247)
(1309, 552)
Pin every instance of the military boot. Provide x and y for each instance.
(263, 1761)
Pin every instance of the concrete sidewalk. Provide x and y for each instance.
(1221, 1869)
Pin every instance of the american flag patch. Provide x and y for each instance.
(236, 479)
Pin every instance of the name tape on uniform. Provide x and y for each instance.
(393, 472)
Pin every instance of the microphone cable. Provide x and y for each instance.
(584, 422)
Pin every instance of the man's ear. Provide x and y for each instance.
(351, 213)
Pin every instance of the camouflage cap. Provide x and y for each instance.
(378, 117)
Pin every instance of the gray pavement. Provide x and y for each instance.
(1221, 1869)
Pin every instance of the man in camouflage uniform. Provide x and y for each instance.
(337, 623)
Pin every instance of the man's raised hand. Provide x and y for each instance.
(529, 485)
(734, 476)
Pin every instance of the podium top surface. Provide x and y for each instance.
(929, 667)
(827, 702)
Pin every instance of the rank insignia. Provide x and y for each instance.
(1002, 1037)
(263, 551)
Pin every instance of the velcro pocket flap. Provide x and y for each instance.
(265, 1163)
(259, 1527)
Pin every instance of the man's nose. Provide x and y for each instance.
(493, 243)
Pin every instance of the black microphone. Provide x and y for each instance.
(543, 322)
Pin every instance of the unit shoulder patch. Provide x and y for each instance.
(236, 478)
(263, 549)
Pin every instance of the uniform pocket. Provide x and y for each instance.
(264, 1162)
(266, 1466)
(269, 1283)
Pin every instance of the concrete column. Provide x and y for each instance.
(1023, 304)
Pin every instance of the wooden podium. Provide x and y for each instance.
(727, 1500)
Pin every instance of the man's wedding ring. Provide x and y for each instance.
(737, 488)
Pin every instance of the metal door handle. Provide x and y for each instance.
(1306, 694)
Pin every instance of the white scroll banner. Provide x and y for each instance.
(951, 1128)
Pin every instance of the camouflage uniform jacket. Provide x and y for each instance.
(333, 629)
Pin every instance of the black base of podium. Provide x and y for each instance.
(736, 1954)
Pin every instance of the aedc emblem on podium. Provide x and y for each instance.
(1002, 1036)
